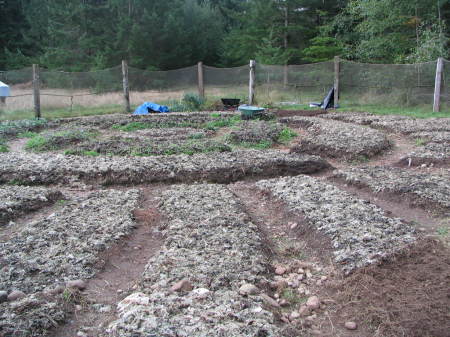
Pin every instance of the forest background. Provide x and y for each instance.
(82, 35)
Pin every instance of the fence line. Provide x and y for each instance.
(422, 83)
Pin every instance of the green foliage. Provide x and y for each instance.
(12, 128)
(193, 101)
(55, 141)
(322, 49)
(197, 136)
(420, 141)
(133, 126)
(27, 134)
(222, 122)
(37, 144)
(3, 148)
(262, 145)
(286, 135)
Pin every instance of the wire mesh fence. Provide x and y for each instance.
(360, 83)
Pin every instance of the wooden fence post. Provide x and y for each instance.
(201, 87)
(126, 88)
(285, 75)
(336, 80)
(36, 91)
(251, 84)
(437, 85)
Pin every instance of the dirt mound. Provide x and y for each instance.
(305, 113)
(407, 295)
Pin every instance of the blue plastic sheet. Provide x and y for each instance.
(148, 107)
(4, 90)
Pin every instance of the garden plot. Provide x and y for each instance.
(338, 140)
(431, 154)
(256, 132)
(422, 189)
(169, 133)
(193, 287)
(18, 200)
(360, 233)
(224, 167)
(142, 147)
(441, 137)
(65, 247)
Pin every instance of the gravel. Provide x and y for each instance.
(218, 167)
(214, 247)
(425, 188)
(432, 137)
(337, 139)
(360, 233)
(18, 200)
(255, 132)
(64, 246)
(393, 123)
(431, 154)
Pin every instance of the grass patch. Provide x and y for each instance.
(59, 140)
(292, 296)
(37, 144)
(262, 145)
(197, 136)
(4, 148)
(443, 231)
(222, 122)
(413, 111)
(286, 135)
(27, 134)
(420, 141)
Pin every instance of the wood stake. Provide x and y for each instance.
(251, 85)
(336, 80)
(201, 87)
(126, 88)
(437, 85)
(36, 91)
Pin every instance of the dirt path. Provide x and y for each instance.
(124, 264)
(289, 239)
(17, 145)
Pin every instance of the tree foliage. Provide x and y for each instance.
(82, 35)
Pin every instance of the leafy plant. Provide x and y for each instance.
(286, 135)
(27, 134)
(222, 122)
(193, 101)
(420, 141)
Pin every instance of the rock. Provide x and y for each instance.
(182, 286)
(200, 293)
(248, 289)
(316, 332)
(313, 303)
(280, 285)
(3, 296)
(59, 289)
(76, 284)
(304, 310)
(78, 307)
(279, 270)
(294, 315)
(15, 295)
(294, 225)
(270, 301)
(351, 325)
(81, 334)
(284, 303)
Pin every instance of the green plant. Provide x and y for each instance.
(16, 182)
(286, 135)
(91, 153)
(292, 296)
(197, 136)
(193, 101)
(443, 231)
(222, 122)
(420, 141)
(37, 143)
(27, 134)
(262, 145)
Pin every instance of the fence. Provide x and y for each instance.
(425, 84)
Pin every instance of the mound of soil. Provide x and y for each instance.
(305, 113)
(407, 295)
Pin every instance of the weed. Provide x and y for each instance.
(133, 126)
(17, 182)
(443, 231)
(222, 122)
(27, 134)
(420, 141)
(38, 143)
(262, 145)
(286, 135)
(215, 115)
(193, 101)
(91, 153)
(61, 202)
(197, 136)
(3, 147)
(292, 296)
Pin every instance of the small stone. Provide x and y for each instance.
(313, 303)
(351, 325)
(279, 270)
(78, 307)
(3, 296)
(316, 332)
(311, 318)
(183, 285)
(59, 289)
(294, 315)
(281, 285)
(270, 301)
(119, 291)
(294, 225)
(284, 302)
(304, 310)
(284, 319)
(16, 295)
(200, 293)
(77, 284)
(81, 334)
(248, 289)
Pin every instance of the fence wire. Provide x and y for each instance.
(360, 83)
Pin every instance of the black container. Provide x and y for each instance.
(230, 101)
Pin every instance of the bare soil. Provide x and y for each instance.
(123, 265)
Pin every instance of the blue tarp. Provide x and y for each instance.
(4, 90)
(147, 107)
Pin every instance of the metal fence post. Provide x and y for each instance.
(251, 84)
(126, 88)
(36, 91)
(337, 69)
(201, 87)
(437, 85)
